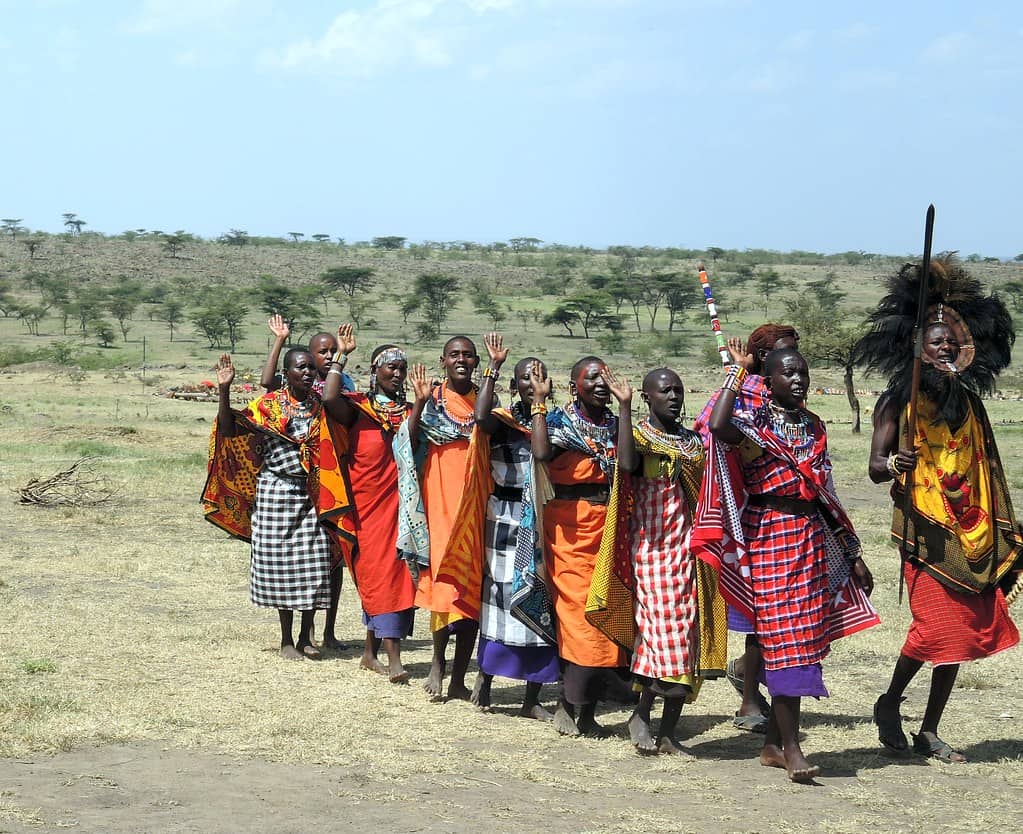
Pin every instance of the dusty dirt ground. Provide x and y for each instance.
(146, 787)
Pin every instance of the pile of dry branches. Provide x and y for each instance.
(77, 486)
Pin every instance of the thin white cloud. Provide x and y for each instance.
(155, 16)
(948, 48)
(387, 34)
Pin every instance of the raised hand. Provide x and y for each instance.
(278, 326)
(540, 384)
(620, 388)
(495, 347)
(737, 350)
(421, 383)
(225, 371)
(346, 339)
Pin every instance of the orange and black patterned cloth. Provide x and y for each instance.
(234, 463)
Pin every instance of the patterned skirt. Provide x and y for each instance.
(496, 621)
(290, 566)
(665, 571)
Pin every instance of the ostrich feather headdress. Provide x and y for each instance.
(981, 324)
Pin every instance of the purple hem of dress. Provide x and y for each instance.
(396, 625)
(795, 681)
(738, 623)
(536, 664)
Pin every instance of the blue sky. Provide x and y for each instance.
(786, 125)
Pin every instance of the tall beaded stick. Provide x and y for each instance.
(715, 322)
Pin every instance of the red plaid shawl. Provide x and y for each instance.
(718, 537)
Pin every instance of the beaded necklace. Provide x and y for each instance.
(463, 425)
(687, 443)
(599, 433)
(797, 436)
(521, 416)
(388, 412)
(292, 407)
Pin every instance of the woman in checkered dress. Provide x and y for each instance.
(291, 552)
(785, 469)
(507, 647)
(668, 600)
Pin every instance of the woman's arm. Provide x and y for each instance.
(540, 388)
(281, 331)
(336, 404)
(423, 387)
(720, 422)
(628, 459)
(485, 419)
(886, 458)
(226, 424)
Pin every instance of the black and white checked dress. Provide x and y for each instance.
(290, 549)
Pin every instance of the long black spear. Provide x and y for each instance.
(918, 352)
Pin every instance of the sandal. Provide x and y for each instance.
(751, 723)
(929, 745)
(889, 726)
(738, 683)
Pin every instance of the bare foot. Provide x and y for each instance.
(310, 651)
(589, 727)
(481, 692)
(640, 735)
(333, 644)
(434, 685)
(537, 712)
(458, 692)
(772, 756)
(371, 664)
(291, 653)
(564, 723)
(396, 673)
(671, 747)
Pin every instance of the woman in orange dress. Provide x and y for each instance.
(580, 444)
(446, 424)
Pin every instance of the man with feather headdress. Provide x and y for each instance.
(957, 534)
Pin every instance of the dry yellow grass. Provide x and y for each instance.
(128, 626)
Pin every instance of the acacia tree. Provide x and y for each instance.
(33, 244)
(564, 315)
(768, 283)
(172, 313)
(388, 242)
(293, 304)
(348, 279)
(296, 236)
(822, 338)
(432, 295)
(122, 301)
(10, 226)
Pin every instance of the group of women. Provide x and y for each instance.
(581, 548)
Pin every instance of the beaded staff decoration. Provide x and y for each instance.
(715, 322)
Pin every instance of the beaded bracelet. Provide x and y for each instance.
(340, 359)
(335, 369)
(733, 381)
(538, 409)
(490, 373)
(892, 465)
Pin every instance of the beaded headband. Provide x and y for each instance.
(389, 355)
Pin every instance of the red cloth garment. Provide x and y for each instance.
(950, 627)
(382, 579)
(665, 581)
(788, 570)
